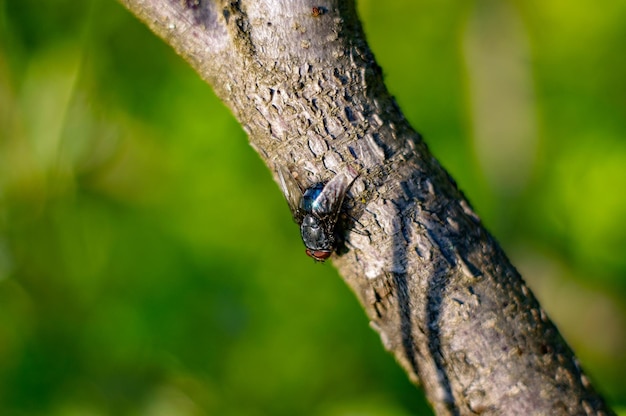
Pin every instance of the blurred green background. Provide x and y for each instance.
(149, 265)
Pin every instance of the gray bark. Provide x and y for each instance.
(435, 285)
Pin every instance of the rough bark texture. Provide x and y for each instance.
(444, 298)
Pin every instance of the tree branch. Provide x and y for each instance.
(435, 285)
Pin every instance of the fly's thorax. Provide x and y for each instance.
(316, 235)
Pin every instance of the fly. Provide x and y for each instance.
(316, 211)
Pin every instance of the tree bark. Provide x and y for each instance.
(435, 285)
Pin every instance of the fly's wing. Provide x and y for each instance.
(328, 202)
(290, 189)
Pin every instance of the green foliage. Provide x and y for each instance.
(149, 265)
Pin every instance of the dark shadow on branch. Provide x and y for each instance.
(436, 291)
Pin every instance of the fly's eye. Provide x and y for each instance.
(318, 255)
